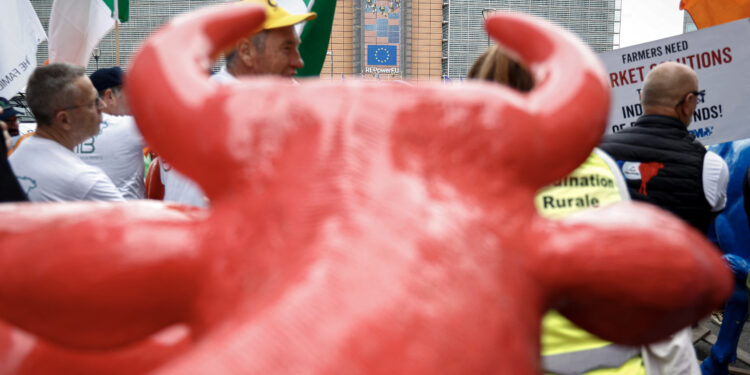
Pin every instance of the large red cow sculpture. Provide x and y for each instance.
(355, 228)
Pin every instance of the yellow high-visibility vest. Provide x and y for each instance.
(595, 183)
(566, 348)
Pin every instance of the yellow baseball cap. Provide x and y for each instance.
(277, 17)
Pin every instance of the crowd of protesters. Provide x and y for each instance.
(86, 146)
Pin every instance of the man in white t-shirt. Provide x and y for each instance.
(68, 110)
(271, 51)
(118, 147)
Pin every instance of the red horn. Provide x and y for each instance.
(177, 108)
(570, 100)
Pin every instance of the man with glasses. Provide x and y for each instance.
(662, 162)
(67, 109)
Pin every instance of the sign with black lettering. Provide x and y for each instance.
(20, 33)
(720, 55)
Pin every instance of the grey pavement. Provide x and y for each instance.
(702, 347)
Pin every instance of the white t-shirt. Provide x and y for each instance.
(177, 187)
(49, 172)
(715, 180)
(180, 189)
(118, 151)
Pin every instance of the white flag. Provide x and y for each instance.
(20, 33)
(296, 7)
(75, 28)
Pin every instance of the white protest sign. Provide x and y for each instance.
(20, 33)
(720, 55)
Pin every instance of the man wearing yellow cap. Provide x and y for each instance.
(270, 51)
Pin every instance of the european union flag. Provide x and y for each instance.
(382, 55)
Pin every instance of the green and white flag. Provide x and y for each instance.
(77, 26)
(122, 11)
(20, 33)
(314, 34)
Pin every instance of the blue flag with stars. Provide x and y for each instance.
(382, 55)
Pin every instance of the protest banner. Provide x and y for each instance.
(20, 33)
(720, 55)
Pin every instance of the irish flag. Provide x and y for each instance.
(314, 34)
(77, 26)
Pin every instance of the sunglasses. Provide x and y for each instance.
(98, 102)
(695, 93)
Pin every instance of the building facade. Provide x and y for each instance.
(146, 16)
(596, 22)
(385, 39)
(433, 39)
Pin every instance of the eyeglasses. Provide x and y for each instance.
(695, 93)
(98, 102)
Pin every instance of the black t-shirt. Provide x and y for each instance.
(10, 190)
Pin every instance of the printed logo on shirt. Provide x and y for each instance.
(89, 146)
(27, 184)
(641, 171)
(648, 171)
(631, 170)
(86, 147)
(103, 126)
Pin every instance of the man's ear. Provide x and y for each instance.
(108, 98)
(246, 51)
(686, 107)
(62, 119)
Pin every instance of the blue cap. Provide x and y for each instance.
(106, 78)
(8, 110)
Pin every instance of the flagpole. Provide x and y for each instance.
(117, 34)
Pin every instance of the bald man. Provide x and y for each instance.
(662, 162)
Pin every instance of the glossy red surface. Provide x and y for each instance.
(154, 187)
(355, 228)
